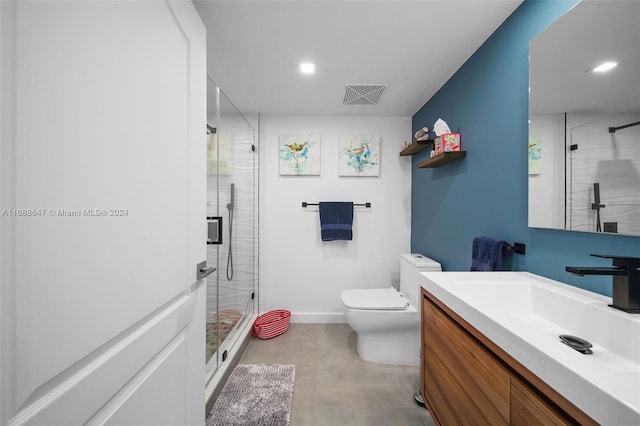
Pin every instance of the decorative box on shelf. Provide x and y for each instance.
(447, 142)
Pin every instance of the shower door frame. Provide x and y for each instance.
(232, 146)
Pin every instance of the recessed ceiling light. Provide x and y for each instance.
(307, 67)
(605, 66)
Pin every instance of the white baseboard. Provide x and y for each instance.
(317, 318)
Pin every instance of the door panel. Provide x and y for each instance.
(109, 149)
(140, 400)
(87, 387)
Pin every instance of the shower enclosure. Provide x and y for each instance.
(232, 244)
(602, 173)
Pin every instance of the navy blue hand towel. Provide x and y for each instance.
(487, 254)
(336, 220)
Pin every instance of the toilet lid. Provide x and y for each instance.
(374, 298)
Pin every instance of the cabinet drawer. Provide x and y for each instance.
(528, 408)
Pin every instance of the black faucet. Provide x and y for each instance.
(626, 280)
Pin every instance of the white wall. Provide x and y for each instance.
(298, 271)
(546, 190)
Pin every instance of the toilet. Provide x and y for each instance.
(387, 321)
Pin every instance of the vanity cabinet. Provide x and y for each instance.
(467, 379)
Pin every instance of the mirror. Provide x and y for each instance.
(584, 126)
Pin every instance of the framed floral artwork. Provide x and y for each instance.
(359, 156)
(535, 155)
(299, 155)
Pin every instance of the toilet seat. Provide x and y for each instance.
(374, 299)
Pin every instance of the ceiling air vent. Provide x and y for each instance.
(363, 94)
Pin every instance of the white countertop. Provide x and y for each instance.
(524, 314)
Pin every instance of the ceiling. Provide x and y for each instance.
(254, 49)
(589, 34)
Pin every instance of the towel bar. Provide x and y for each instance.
(519, 248)
(516, 248)
(367, 205)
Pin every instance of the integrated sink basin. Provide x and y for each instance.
(525, 314)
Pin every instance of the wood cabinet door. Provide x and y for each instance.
(527, 408)
(463, 383)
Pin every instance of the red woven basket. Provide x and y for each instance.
(271, 324)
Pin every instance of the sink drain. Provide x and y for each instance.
(577, 343)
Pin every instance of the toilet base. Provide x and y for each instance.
(389, 348)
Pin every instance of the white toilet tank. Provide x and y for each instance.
(410, 266)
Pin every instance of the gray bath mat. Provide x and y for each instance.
(255, 394)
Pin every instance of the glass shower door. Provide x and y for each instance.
(232, 197)
(602, 175)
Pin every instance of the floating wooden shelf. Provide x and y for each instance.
(441, 159)
(416, 147)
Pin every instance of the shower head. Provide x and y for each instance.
(232, 196)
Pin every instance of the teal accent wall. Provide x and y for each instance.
(486, 100)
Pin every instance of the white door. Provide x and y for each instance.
(103, 203)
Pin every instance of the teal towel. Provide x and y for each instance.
(336, 220)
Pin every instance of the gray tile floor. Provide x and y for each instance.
(333, 385)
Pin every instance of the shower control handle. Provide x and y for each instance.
(202, 271)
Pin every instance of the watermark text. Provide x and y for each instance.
(101, 212)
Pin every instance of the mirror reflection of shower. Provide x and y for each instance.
(572, 107)
(596, 205)
(602, 174)
(230, 209)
